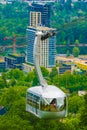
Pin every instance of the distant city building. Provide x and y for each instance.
(2, 64)
(39, 14)
(10, 1)
(63, 69)
(66, 67)
(79, 0)
(47, 47)
(35, 18)
(40, 19)
(42, 1)
(14, 60)
(61, 1)
(27, 68)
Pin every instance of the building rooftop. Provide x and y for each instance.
(41, 28)
(28, 64)
(1, 59)
(16, 54)
(49, 92)
(41, 2)
(10, 57)
(79, 62)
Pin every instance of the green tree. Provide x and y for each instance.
(67, 53)
(45, 72)
(35, 79)
(29, 77)
(53, 73)
(83, 117)
(2, 83)
(55, 80)
(16, 73)
(4, 79)
(76, 42)
(12, 82)
(75, 51)
(75, 103)
(72, 123)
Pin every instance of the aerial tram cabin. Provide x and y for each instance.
(45, 101)
(48, 103)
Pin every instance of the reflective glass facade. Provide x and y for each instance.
(45, 11)
(35, 18)
(47, 49)
(52, 51)
(40, 14)
(30, 44)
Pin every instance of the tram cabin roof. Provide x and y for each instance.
(49, 92)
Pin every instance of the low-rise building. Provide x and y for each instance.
(2, 64)
(14, 60)
(27, 67)
(63, 69)
(66, 67)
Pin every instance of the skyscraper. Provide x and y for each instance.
(43, 11)
(39, 19)
(35, 18)
(47, 47)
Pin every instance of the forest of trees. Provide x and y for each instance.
(74, 18)
(68, 18)
(13, 86)
(13, 22)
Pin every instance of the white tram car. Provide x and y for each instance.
(48, 103)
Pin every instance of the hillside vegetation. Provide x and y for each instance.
(13, 86)
(13, 22)
(69, 19)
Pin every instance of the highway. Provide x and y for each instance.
(57, 45)
(78, 45)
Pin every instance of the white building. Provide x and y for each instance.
(27, 68)
(47, 47)
(35, 18)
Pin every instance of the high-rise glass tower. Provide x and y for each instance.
(45, 13)
(47, 47)
(39, 20)
(35, 18)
